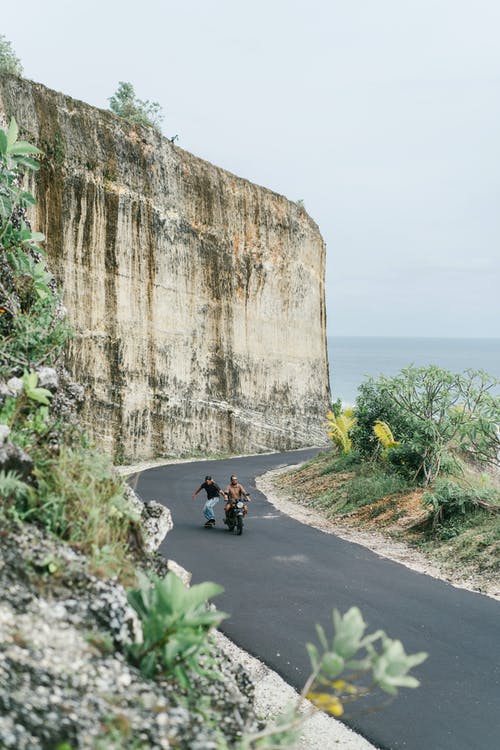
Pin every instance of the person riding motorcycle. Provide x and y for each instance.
(234, 492)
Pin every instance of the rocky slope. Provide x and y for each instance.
(64, 679)
(197, 297)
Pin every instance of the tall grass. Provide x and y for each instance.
(79, 498)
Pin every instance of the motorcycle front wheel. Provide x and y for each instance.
(239, 525)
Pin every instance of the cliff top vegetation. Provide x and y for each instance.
(9, 61)
(126, 104)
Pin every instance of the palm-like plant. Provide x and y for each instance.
(384, 435)
(339, 427)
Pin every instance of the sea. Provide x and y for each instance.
(353, 358)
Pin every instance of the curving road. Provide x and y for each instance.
(281, 577)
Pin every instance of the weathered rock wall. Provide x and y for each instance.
(197, 297)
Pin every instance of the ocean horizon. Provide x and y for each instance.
(353, 358)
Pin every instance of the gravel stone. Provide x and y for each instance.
(48, 378)
(13, 458)
(4, 433)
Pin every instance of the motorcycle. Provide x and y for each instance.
(234, 517)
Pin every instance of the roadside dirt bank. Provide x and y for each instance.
(377, 541)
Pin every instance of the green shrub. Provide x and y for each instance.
(25, 409)
(372, 404)
(448, 500)
(125, 103)
(32, 329)
(434, 413)
(78, 497)
(9, 62)
(72, 490)
(33, 337)
(337, 407)
(475, 540)
(176, 622)
(405, 461)
(15, 156)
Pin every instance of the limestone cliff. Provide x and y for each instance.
(197, 297)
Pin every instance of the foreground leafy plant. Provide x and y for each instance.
(176, 622)
(389, 666)
(15, 156)
(32, 327)
(382, 664)
(16, 409)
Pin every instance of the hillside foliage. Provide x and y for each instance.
(126, 104)
(9, 61)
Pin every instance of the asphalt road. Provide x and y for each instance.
(281, 577)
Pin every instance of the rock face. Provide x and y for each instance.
(197, 298)
(64, 676)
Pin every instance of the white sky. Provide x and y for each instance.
(382, 115)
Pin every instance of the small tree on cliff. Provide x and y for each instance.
(125, 104)
(9, 62)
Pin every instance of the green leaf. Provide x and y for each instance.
(407, 681)
(313, 655)
(12, 132)
(361, 665)
(391, 667)
(30, 379)
(349, 630)
(26, 161)
(27, 198)
(332, 665)
(37, 237)
(22, 148)
(3, 143)
(42, 293)
(6, 206)
(322, 637)
(40, 395)
(200, 593)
